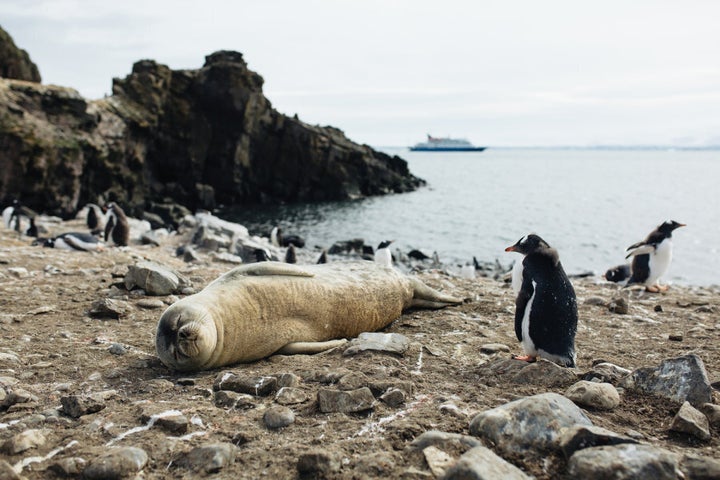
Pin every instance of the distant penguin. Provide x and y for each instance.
(652, 257)
(95, 219)
(417, 255)
(74, 241)
(546, 307)
(32, 230)
(117, 226)
(467, 271)
(619, 274)
(323, 257)
(290, 255)
(17, 215)
(278, 239)
(383, 256)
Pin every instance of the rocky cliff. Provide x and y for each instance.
(15, 62)
(197, 138)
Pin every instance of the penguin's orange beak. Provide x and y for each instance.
(510, 249)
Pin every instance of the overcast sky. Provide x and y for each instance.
(500, 73)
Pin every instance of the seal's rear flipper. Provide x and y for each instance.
(426, 297)
(310, 347)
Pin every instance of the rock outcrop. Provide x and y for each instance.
(197, 138)
(15, 62)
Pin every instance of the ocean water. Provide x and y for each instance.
(590, 204)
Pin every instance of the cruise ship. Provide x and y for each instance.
(445, 144)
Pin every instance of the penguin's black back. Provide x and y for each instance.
(640, 269)
(553, 315)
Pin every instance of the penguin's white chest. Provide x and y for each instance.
(517, 276)
(383, 257)
(527, 343)
(660, 260)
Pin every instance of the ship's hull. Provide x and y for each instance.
(447, 149)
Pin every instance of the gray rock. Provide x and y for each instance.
(18, 272)
(109, 308)
(691, 421)
(150, 303)
(23, 441)
(394, 397)
(529, 425)
(601, 396)
(578, 437)
(444, 440)
(117, 349)
(481, 463)
(490, 348)
(209, 458)
(596, 301)
(353, 381)
(380, 387)
(177, 424)
(154, 279)
(258, 386)
(501, 367)
(226, 257)
(437, 460)
(623, 462)
(545, 373)
(190, 255)
(68, 467)
(238, 401)
(290, 396)
(712, 412)
(619, 305)
(379, 342)
(700, 468)
(678, 379)
(76, 406)
(7, 472)
(288, 380)
(345, 401)
(18, 396)
(606, 372)
(317, 464)
(118, 463)
(374, 465)
(278, 417)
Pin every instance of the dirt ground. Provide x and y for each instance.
(61, 350)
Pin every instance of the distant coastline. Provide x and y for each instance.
(589, 147)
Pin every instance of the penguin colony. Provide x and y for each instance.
(546, 313)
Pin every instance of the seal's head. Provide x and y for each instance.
(186, 337)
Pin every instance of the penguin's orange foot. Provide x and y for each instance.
(525, 358)
(662, 288)
(653, 288)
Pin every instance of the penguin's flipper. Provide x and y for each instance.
(521, 303)
(109, 226)
(640, 249)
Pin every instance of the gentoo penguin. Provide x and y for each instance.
(74, 241)
(467, 271)
(323, 257)
(278, 239)
(383, 256)
(652, 257)
(95, 219)
(290, 256)
(117, 226)
(546, 308)
(261, 255)
(619, 274)
(17, 215)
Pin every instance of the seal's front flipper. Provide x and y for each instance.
(310, 347)
(426, 297)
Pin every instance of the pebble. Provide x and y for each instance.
(379, 342)
(345, 401)
(109, 308)
(209, 458)
(18, 272)
(481, 463)
(68, 467)
(258, 386)
(290, 396)
(578, 437)
(278, 417)
(437, 460)
(601, 396)
(288, 380)
(150, 303)
(118, 463)
(691, 421)
(117, 349)
(444, 440)
(490, 348)
(24, 441)
(393, 398)
(545, 373)
(678, 379)
(606, 372)
(76, 406)
(530, 425)
(230, 399)
(712, 412)
(317, 463)
(154, 279)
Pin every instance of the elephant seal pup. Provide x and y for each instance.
(256, 310)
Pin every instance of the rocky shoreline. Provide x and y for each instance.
(436, 395)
